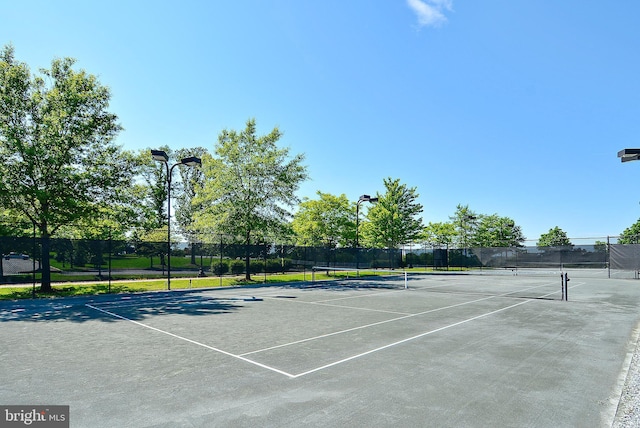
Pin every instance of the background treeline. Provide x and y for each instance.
(62, 175)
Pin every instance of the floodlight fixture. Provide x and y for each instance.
(191, 161)
(627, 155)
(160, 156)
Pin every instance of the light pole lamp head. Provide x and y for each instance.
(373, 199)
(160, 156)
(191, 161)
(627, 155)
(364, 198)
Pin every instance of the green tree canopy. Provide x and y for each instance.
(58, 162)
(631, 235)
(185, 190)
(325, 221)
(249, 185)
(496, 231)
(439, 234)
(393, 220)
(556, 237)
(465, 222)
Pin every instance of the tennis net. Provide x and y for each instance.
(374, 278)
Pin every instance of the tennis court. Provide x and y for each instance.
(447, 350)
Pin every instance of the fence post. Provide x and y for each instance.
(33, 290)
(110, 251)
(608, 258)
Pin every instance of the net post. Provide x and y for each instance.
(313, 274)
(405, 280)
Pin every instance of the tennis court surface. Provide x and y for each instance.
(449, 350)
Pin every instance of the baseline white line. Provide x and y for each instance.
(239, 357)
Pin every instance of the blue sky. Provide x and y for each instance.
(511, 107)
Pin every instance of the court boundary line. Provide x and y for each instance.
(360, 327)
(239, 357)
(399, 342)
(404, 316)
(335, 363)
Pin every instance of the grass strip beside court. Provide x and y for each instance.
(67, 289)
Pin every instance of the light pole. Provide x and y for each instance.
(627, 155)
(468, 218)
(361, 199)
(161, 156)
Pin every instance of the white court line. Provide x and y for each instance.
(376, 323)
(353, 357)
(363, 326)
(192, 341)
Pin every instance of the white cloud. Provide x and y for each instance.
(430, 12)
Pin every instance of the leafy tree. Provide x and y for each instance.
(154, 189)
(439, 234)
(495, 231)
(190, 180)
(465, 222)
(600, 246)
(631, 234)
(556, 237)
(248, 185)
(325, 221)
(394, 220)
(154, 242)
(58, 162)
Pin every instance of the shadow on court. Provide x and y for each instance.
(136, 307)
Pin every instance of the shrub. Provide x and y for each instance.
(274, 265)
(256, 266)
(237, 267)
(220, 267)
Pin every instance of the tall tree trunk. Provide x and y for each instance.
(247, 259)
(45, 263)
(193, 253)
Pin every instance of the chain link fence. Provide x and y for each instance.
(87, 260)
